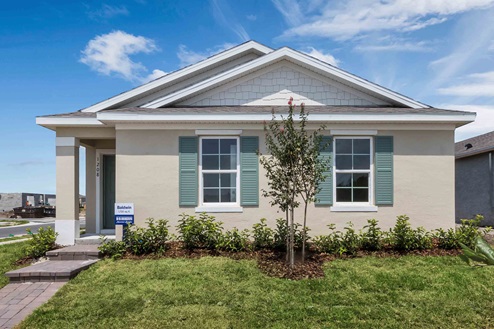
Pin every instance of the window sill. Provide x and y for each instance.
(212, 209)
(354, 208)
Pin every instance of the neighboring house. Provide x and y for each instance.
(187, 142)
(475, 178)
(9, 201)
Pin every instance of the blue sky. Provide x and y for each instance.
(62, 56)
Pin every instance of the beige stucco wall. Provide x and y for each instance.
(147, 175)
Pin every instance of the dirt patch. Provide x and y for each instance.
(273, 263)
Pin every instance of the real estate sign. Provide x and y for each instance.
(124, 213)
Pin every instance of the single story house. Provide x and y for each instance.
(9, 201)
(475, 178)
(187, 143)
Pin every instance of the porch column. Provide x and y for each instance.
(90, 189)
(67, 222)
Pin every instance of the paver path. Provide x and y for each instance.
(18, 300)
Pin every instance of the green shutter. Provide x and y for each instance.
(384, 170)
(249, 171)
(325, 195)
(188, 180)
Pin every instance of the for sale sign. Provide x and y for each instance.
(124, 213)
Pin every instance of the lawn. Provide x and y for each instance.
(9, 253)
(216, 292)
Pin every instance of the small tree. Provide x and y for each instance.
(294, 168)
(312, 167)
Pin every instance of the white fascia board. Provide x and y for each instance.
(256, 117)
(62, 122)
(292, 55)
(176, 75)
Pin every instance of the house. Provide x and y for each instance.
(475, 178)
(9, 201)
(187, 142)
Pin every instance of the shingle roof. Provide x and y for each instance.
(479, 144)
(265, 109)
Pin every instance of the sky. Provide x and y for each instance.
(62, 56)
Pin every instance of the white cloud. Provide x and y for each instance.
(483, 123)
(476, 85)
(325, 57)
(107, 11)
(110, 54)
(188, 57)
(224, 16)
(397, 46)
(251, 17)
(346, 20)
(153, 76)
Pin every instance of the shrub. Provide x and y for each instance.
(146, 240)
(202, 232)
(41, 242)
(351, 242)
(262, 235)
(234, 240)
(281, 234)
(113, 249)
(469, 230)
(404, 238)
(330, 243)
(372, 236)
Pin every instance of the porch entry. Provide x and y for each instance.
(108, 191)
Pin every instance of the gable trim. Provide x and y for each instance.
(291, 55)
(250, 45)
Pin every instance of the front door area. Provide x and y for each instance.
(108, 191)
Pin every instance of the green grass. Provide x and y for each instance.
(406, 292)
(9, 253)
(13, 238)
(13, 222)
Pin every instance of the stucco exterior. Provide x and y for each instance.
(147, 175)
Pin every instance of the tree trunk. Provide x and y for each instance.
(304, 234)
(287, 238)
(292, 238)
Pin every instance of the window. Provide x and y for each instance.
(219, 170)
(352, 170)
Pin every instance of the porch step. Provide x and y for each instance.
(76, 252)
(60, 271)
(92, 239)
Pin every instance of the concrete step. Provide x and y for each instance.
(59, 271)
(76, 252)
(92, 239)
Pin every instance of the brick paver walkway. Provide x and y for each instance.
(18, 300)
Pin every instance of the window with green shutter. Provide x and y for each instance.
(325, 195)
(249, 171)
(188, 166)
(384, 170)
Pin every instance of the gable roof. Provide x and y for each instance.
(479, 144)
(184, 73)
(296, 57)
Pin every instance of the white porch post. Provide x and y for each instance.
(67, 222)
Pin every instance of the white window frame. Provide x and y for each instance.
(219, 206)
(354, 206)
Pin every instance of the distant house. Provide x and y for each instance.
(475, 178)
(9, 201)
(188, 142)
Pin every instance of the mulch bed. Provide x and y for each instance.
(273, 263)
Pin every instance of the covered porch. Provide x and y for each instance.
(100, 180)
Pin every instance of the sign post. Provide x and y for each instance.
(124, 215)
